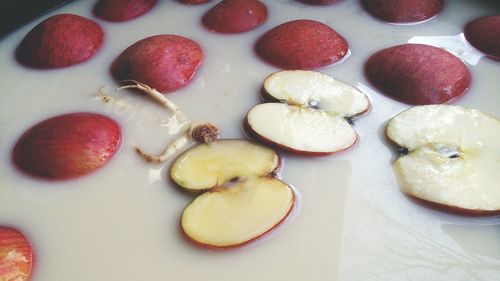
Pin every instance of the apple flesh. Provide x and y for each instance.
(243, 199)
(301, 44)
(403, 11)
(418, 74)
(453, 157)
(16, 255)
(234, 16)
(210, 165)
(60, 41)
(164, 62)
(483, 34)
(119, 10)
(312, 116)
(239, 213)
(67, 146)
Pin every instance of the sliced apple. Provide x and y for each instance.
(243, 200)
(239, 213)
(210, 165)
(313, 116)
(453, 157)
(16, 255)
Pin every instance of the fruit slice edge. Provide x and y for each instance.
(236, 215)
(315, 89)
(453, 157)
(300, 130)
(208, 165)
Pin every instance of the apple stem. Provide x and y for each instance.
(200, 133)
(157, 96)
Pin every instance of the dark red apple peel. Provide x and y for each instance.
(403, 11)
(319, 2)
(67, 146)
(418, 74)
(120, 10)
(484, 34)
(60, 41)
(235, 16)
(301, 44)
(18, 266)
(194, 2)
(163, 62)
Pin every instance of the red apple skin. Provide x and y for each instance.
(245, 243)
(122, 10)
(453, 209)
(418, 74)
(254, 135)
(319, 2)
(60, 41)
(194, 2)
(484, 33)
(235, 16)
(301, 44)
(13, 240)
(164, 62)
(403, 11)
(67, 146)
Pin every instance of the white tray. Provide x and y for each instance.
(122, 222)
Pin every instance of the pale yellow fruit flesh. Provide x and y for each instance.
(470, 179)
(209, 165)
(310, 88)
(301, 129)
(233, 215)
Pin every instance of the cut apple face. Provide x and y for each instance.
(243, 200)
(239, 213)
(207, 166)
(312, 117)
(453, 157)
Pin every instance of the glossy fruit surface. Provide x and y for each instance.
(164, 62)
(67, 146)
(59, 41)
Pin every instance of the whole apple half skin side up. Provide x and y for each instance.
(235, 16)
(453, 158)
(326, 102)
(319, 2)
(418, 74)
(260, 201)
(403, 11)
(119, 11)
(164, 62)
(67, 146)
(60, 41)
(16, 255)
(194, 2)
(301, 44)
(483, 34)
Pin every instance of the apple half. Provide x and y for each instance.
(242, 200)
(16, 255)
(312, 116)
(453, 158)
